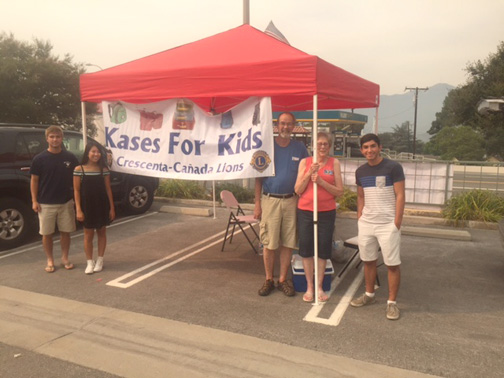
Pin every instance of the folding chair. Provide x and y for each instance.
(237, 218)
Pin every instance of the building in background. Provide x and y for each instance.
(345, 128)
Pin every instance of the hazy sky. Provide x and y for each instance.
(394, 43)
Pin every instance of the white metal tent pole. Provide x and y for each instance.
(213, 197)
(84, 126)
(315, 197)
(246, 12)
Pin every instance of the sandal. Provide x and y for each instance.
(49, 268)
(308, 297)
(287, 287)
(266, 288)
(323, 297)
(68, 265)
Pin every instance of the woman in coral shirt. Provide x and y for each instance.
(327, 174)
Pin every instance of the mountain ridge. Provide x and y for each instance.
(398, 108)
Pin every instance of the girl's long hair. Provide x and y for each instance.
(102, 163)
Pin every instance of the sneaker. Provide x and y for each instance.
(393, 312)
(89, 267)
(266, 288)
(98, 266)
(363, 300)
(287, 287)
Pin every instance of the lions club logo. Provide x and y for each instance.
(260, 161)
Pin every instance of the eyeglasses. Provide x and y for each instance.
(286, 124)
(323, 144)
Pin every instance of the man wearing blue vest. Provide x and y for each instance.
(275, 205)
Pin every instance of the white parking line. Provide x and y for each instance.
(117, 282)
(343, 304)
(38, 245)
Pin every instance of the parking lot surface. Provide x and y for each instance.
(169, 299)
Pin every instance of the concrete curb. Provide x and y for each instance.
(192, 202)
(440, 233)
(412, 217)
(187, 211)
(135, 345)
(417, 220)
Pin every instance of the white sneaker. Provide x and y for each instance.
(98, 265)
(393, 312)
(89, 267)
(363, 300)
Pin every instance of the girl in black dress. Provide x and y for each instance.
(93, 201)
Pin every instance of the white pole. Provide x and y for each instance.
(213, 196)
(246, 12)
(84, 126)
(315, 197)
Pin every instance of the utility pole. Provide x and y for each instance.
(416, 89)
(409, 144)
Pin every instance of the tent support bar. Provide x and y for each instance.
(213, 198)
(315, 199)
(246, 12)
(84, 125)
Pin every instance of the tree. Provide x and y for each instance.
(486, 80)
(37, 86)
(457, 142)
(401, 139)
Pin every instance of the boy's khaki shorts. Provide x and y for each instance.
(61, 214)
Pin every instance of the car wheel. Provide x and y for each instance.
(139, 197)
(17, 222)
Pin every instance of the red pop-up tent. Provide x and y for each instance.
(223, 70)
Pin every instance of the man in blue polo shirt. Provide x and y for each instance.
(275, 205)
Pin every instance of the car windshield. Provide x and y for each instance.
(74, 144)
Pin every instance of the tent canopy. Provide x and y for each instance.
(223, 70)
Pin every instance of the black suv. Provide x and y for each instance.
(18, 145)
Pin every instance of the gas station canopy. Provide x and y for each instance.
(336, 120)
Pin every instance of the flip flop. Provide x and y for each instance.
(68, 265)
(49, 268)
(308, 297)
(323, 298)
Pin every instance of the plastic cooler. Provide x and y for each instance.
(299, 278)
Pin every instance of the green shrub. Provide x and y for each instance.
(182, 189)
(348, 201)
(478, 205)
(242, 195)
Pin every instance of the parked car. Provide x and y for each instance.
(19, 143)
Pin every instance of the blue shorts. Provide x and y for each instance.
(326, 221)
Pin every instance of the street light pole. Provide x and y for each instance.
(416, 89)
(93, 65)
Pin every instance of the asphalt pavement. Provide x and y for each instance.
(169, 303)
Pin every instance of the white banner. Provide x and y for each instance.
(177, 139)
